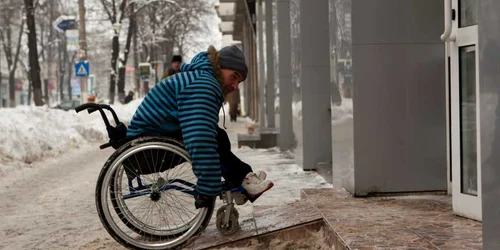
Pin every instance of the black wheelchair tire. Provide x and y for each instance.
(99, 205)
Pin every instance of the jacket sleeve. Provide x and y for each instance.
(198, 112)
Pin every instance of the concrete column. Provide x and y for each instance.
(245, 84)
(270, 95)
(489, 107)
(285, 138)
(246, 104)
(399, 119)
(315, 83)
(262, 76)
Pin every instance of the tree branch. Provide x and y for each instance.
(114, 10)
(16, 58)
(6, 45)
(107, 11)
(9, 42)
(6, 50)
(131, 30)
(42, 52)
(139, 8)
(3, 42)
(123, 6)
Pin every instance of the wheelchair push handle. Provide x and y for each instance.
(115, 133)
(106, 107)
(92, 107)
(86, 106)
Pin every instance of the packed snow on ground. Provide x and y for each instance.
(65, 214)
(339, 112)
(30, 133)
(309, 240)
(281, 168)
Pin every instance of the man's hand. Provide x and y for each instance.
(202, 200)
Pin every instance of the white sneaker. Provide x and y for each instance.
(261, 175)
(256, 186)
(240, 198)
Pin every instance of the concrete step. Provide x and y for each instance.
(264, 224)
(262, 138)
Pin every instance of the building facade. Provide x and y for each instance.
(383, 96)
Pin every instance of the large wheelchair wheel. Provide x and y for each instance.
(145, 195)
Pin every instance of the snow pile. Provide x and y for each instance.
(288, 177)
(297, 110)
(29, 133)
(342, 112)
(339, 112)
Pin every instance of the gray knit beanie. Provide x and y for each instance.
(232, 58)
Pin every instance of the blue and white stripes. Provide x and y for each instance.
(189, 101)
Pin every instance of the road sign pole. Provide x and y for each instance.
(83, 49)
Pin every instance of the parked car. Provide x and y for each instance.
(68, 105)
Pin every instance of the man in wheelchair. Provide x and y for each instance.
(185, 107)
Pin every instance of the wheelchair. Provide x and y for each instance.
(146, 190)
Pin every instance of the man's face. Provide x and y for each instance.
(176, 66)
(231, 79)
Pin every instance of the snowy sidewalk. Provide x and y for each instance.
(288, 177)
(278, 208)
(59, 199)
(394, 222)
(400, 222)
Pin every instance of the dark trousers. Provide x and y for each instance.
(233, 169)
(236, 170)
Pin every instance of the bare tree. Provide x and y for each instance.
(190, 22)
(130, 10)
(166, 26)
(136, 61)
(116, 13)
(33, 53)
(153, 28)
(45, 14)
(9, 17)
(123, 61)
(63, 60)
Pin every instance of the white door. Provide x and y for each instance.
(465, 143)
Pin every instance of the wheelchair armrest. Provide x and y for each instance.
(105, 145)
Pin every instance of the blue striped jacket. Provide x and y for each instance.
(189, 101)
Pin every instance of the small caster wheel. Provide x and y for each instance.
(232, 226)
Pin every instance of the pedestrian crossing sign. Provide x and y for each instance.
(82, 68)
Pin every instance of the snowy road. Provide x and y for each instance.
(51, 206)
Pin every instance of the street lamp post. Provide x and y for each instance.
(83, 50)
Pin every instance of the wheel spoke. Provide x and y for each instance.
(160, 218)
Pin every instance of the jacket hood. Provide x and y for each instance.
(199, 62)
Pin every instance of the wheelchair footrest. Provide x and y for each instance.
(249, 197)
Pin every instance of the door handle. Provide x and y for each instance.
(446, 36)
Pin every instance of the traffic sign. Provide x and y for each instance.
(64, 23)
(144, 70)
(82, 68)
(76, 88)
(72, 40)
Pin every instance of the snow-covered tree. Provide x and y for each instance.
(11, 30)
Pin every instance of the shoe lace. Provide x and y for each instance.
(254, 179)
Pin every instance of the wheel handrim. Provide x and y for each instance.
(191, 225)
